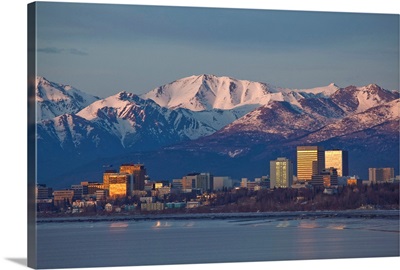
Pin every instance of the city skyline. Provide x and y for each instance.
(131, 176)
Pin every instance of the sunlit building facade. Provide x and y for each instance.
(338, 159)
(91, 187)
(138, 171)
(281, 173)
(119, 185)
(106, 178)
(62, 197)
(310, 161)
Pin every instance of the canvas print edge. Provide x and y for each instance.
(31, 126)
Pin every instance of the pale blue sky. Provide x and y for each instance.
(103, 49)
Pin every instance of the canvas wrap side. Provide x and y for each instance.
(31, 117)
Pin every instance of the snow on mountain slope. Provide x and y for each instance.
(56, 99)
(354, 99)
(279, 118)
(206, 92)
(323, 91)
(219, 116)
(127, 115)
(360, 121)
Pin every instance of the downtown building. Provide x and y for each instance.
(201, 182)
(338, 159)
(326, 178)
(137, 172)
(310, 161)
(281, 173)
(130, 178)
(380, 174)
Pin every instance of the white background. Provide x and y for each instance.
(13, 111)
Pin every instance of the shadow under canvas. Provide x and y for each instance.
(20, 261)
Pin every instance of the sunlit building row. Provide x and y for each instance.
(315, 166)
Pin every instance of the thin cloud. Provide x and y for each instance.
(50, 50)
(54, 50)
(77, 52)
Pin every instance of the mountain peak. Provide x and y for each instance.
(123, 95)
(353, 99)
(208, 91)
(207, 76)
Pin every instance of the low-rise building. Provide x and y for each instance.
(101, 195)
(147, 199)
(108, 207)
(63, 197)
(78, 191)
(155, 206)
(192, 204)
(177, 183)
(43, 192)
(89, 188)
(172, 205)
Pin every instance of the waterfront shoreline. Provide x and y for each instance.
(367, 214)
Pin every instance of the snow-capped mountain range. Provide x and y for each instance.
(199, 113)
(55, 99)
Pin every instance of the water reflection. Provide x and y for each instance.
(160, 224)
(118, 226)
(336, 227)
(308, 224)
(283, 224)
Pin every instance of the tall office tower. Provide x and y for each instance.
(221, 182)
(281, 173)
(189, 181)
(338, 159)
(310, 161)
(119, 185)
(380, 174)
(205, 181)
(106, 178)
(138, 172)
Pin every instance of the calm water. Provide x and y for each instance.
(94, 244)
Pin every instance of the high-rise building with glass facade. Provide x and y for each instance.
(338, 159)
(380, 174)
(138, 171)
(106, 178)
(281, 173)
(119, 185)
(310, 161)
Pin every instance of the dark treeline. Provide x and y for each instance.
(374, 196)
(377, 196)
